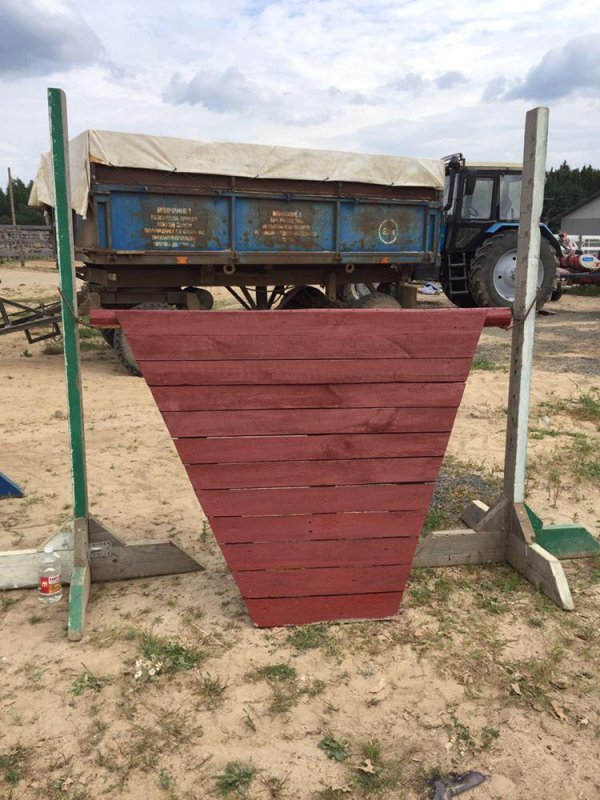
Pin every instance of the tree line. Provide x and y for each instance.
(25, 214)
(565, 188)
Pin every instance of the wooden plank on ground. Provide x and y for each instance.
(314, 473)
(304, 421)
(303, 610)
(304, 371)
(451, 548)
(364, 395)
(242, 449)
(329, 500)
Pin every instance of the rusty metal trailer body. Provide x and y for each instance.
(163, 220)
(149, 234)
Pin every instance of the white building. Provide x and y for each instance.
(584, 218)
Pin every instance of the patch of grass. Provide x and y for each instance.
(13, 765)
(6, 601)
(273, 673)
(169, 657)
(488, 737)
(35, 619)
(310, 637)
(584, 406)
(274, 786)
(585, 290)
(428, 587)
(374, 775)
(87, 680)
(437, 520)
(483, 363)
(287, 691)
(335, 749)
(531, 679)
(235, 779)
(212, 690)
(165, 780)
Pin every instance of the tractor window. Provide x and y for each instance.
(479, 204)
(510, 197)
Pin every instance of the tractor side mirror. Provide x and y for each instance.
(470, 181)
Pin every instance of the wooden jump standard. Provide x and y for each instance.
(88, 551)
(505, 532)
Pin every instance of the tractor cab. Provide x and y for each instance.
(478, 251)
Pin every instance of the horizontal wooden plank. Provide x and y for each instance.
(360, 322)
(323, 500)
(444, 343)
(306, 527)
(364, 395)
(449, 548)
(322, 581)
(305, 371)
(242, 449)
(276, 612)
(302, 421)
(311, 554)
(314, 473)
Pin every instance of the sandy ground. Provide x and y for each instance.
(478, 671)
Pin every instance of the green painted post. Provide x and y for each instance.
(57, 110)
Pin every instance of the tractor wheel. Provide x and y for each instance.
(493, 268)
(376, 300)
(121, 345)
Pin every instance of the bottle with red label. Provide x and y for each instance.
(49, 583)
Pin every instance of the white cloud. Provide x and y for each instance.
(421, 77)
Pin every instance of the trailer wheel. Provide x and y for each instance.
(354, 291)
(303, 297)
(108, 334)
(376, 300)
(121, 345)
(493, 267)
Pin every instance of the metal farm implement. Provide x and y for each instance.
(18, 317)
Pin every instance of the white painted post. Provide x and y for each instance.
(528, 255)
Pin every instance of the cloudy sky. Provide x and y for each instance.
(404, 77)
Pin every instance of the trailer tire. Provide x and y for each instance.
(121, 345)
(492, 273)
(303, 297)
(108, 334)
(376, 300)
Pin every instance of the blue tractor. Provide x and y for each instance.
(478, 249)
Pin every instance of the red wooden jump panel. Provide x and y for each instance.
(304, 527)
(304, 371)
(313, 440)
(236, 450)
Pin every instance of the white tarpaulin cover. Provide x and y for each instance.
(221, 158)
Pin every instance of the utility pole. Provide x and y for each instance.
(13, 214)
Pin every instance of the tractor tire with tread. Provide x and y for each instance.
(500, 249)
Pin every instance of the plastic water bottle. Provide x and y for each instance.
(49, 584)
